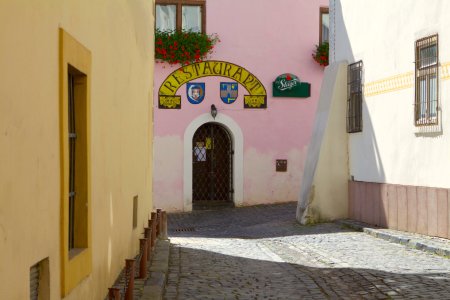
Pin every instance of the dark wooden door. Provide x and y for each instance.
(212, 163)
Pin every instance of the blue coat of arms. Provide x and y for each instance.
(195, 92)
(228, 92)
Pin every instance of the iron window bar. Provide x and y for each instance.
(426, 108)
(354, 97)
(72, 148)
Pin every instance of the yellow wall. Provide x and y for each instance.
(119, 36)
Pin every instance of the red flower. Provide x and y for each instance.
(320, 55)
(183, 47)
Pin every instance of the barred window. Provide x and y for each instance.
(426, 81)
(354, 97)
(74, 86)
(77, 142)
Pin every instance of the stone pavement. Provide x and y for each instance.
(262, 253)
(154, 285)
(430, 244)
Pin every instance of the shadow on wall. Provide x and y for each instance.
(414, 209)
(212, 274)
(360, 142)
(362, 148)
(365, 202)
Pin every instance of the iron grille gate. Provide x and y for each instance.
(212, 165)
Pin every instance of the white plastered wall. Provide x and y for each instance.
(382, 33)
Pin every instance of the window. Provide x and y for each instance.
(354, 97)
(76, 252)
(180, 15)
(427, 74)
(77, 140)
(324, 30)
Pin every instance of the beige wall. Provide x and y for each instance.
(324, 194)
(119, 36)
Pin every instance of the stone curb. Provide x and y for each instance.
(154, 285)
(413, 241)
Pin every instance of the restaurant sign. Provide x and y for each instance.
(289, 85)
(168, 98)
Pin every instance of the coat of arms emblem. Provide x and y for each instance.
(195, 92)
(228, 92)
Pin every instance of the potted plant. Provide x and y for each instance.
(177, 47)
(320, 55)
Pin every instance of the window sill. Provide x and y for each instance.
(76, 267)
(75, 251)
(428, 129)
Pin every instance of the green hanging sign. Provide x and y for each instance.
(289, 85)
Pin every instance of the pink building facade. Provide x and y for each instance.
(245, 155)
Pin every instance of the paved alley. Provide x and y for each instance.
(262, 253)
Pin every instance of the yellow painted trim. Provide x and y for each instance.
(399, 82)
(445, 71)
(390, 84)
(77, 268)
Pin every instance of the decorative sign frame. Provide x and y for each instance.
(289, 85)
(168, 99)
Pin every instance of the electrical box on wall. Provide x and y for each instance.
(281, 165)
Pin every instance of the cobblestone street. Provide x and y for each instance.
(262, 253)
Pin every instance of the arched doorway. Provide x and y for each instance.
(212, 167)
